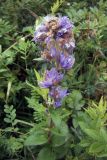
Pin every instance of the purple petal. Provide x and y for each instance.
(64, 22)
(66, 62)
(52, 77)
(57, 103)
(45, 84)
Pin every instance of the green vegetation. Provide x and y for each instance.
(75, 131)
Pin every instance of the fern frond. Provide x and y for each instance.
(39, 109)
(56, 6)
(99, 110)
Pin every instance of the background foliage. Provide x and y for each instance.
(78, 130)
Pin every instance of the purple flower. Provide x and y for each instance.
(40, 33)
(55, 53)
(52, 27)
(57, 103)
(70, 46)
(39, 36)
(64, 26)
(64, 22)
(56, 40)
(52, 77)
(57, 93)
(61, 32)
(52, 54)
(67, 44)
(42, 28)
(66, 62)
(48, 40)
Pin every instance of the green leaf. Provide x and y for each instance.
(74, 100)
(56, 6)
(38, 59)
(83, 125)
(39, 78)
(60, 135)
(102, 154)
(56, 118)
(102, 106)
(92, 134)
(84, 143)
(23, 46)
(58, 140)
(37, 138)
(62, 151)
(7, 120)
(96, 147)
(38, 21)
(46, 154)
(41, 91)
(8, 90)
(103, 134)
(0, 48)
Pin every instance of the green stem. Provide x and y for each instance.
(26, 61)
(16, 43)
(24, 122)
(50, 125)
(3, 130)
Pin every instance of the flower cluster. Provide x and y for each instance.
(55, 33)
(57, 28)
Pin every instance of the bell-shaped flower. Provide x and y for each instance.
(66, 61)
(52, 78)
(57, 93)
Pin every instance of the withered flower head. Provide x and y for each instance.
(57, 28)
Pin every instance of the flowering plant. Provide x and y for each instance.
(55, 36)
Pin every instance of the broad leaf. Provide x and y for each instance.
(46, 154)
(37, 138)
